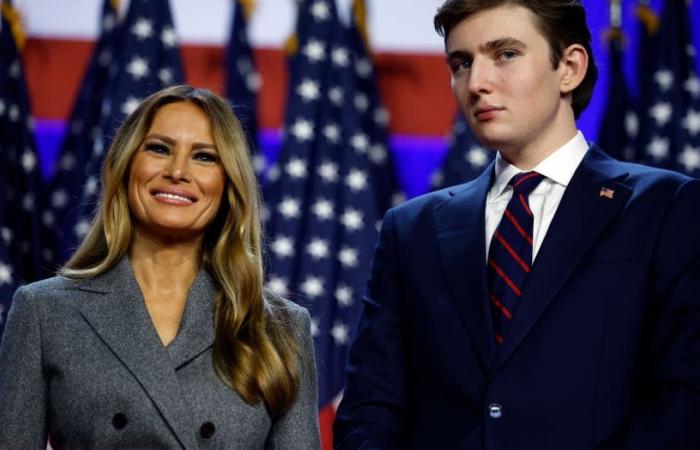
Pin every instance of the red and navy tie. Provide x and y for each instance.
(510, 253)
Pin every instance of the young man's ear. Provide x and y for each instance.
(573, 66)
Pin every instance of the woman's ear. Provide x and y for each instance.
(573, 66)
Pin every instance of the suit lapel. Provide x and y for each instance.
(118, 315)
(585, 209)
(459, 222)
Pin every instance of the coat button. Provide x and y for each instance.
(495, 411)
(119, 421)
(207, 430)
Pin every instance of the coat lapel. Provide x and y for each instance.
(459, 222)
(585, 209)
(119, 316)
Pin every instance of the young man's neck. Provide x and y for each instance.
(529, 155)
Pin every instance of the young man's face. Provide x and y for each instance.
(504, 82)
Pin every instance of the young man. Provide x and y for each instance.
(553, 302)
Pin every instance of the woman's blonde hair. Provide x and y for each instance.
(254, 349)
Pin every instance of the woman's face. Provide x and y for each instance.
(176, 179)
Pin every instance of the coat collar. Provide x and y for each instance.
(114, 306)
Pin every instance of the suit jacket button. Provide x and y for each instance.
(119, 421)
(207, 430)
(495, 411)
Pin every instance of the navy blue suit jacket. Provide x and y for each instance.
(602, 353)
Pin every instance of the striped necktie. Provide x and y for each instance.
(510, 253)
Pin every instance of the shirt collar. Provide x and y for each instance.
(558, 167)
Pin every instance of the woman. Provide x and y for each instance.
(157, 333)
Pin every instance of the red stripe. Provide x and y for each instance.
(518, 227)
(525, 205)
(512, 252)
(526, 177)
(505, 278)
(499, 338)
(502, 308)
(326, 415)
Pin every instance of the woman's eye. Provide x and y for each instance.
(157, 148)
(206, 157)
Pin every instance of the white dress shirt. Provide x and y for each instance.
(557, 168)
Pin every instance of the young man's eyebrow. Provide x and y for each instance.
(500, 43)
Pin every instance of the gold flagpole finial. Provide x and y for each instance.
(13, 17)
(359, 12)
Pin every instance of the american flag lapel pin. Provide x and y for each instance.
(607, 193)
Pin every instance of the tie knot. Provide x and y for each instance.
(525, 182)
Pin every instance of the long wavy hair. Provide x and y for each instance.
(255, 351)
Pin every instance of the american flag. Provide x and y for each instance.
(242, 80)
(25, 248)
(83, 130)
(145, 59)
(648, 48)
(466, 157)
(670, 132)
(322, 205)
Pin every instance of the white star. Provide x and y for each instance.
(658, 147)
(15, 69)
(67, 162)
(59, 198)
(28, 160)
(332, 133)
(13, 113)
(168, 37)
(692, 85)
(317, 248)
(340, 333)
(283, 247)
(661, 112)
(381, 116)
(289, 208)
(437, 178)
(303, 130)
(253, 81)
(28, 201)
(278, 285)
(691, 122)
(312, 286)
(664, 78)
(352, 219)
(323, 209)
(166, 75)
(378, 153)
(336, 95)
(105, 57)
(128, 107)
(689, 158)
(320, 11)
(138, 68)
(477, 157)
(5, 274)
(315, 50)
(340, 57)
(690, 50)
(359, 142)
(143, 28)
(631, 123)
(328, 171)
(259, 163)
(109, 22)
(348, 257)
(273, 173)
(6, 234)
(296, 168)
(363, 68)
(361, 102)
(356, 180)
(344, 295)
(81, 228)
(308, 90)
(48, 218)
(2, 107)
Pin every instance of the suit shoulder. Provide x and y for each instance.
(282, 307)
(49, 287)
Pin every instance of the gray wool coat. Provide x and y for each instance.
(82, 364)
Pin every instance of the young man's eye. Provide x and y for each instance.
(157, 148)
(507, 54)
(460, 65)
(206, 157)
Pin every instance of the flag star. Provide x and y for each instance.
(138, 68)
(361, 102)
(320, 11)
(328, 171)
(2, 107)
(90, 187)
(30, 122)
(296, 168)
(166, 75)
(359, 142)
(314, 327)
(259, 163)
(253, 81)
(5, 274)
(340, 333)
(127, 108)
(363, 68)
(48, 218)
(143, 28)
(631, 123)
(352, 219)
(28, 201)
(477, 157)
(336, 95)
(312, 286)
(273, 173)
(28, 160)
(81, 228)
(661, 112)
(15, 69)
(323, 209)
(168, 37)
(6, 234)
(356, 180)
(308, 90)
(348, 257)
(317, 248)
(105, 57)
(332, 133)
(303, 130)
(689, 158)
(691, 122)
(664, 78)
(381, 116)
(340, 56)
(690, 50)
(692, 85)
(378, 153)
(397, 198)
(109, 22)
(289, 208)
(315, 50)
(278, 285)
(658, 147)
(437, 178)
(283, 247)
(344, 295)
(59, 198)
(13, 113)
